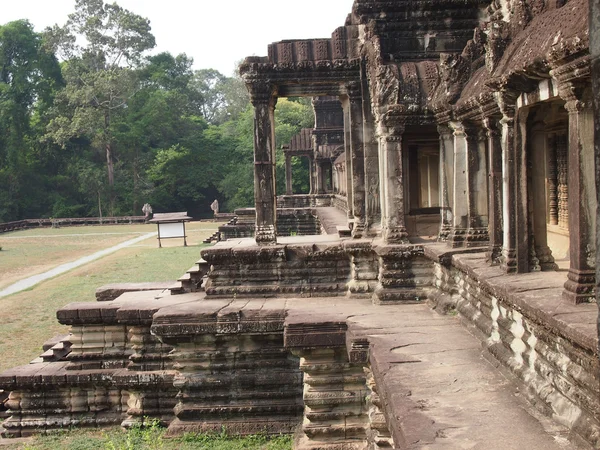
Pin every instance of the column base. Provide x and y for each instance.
(445, 231)
(494, 255)
(580, 286)
(545, 258)
(457, 237)
(477, 237)
(508, 260)
(395, 235)
(265, 235)
(358, 229)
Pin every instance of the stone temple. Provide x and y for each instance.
(436, 288)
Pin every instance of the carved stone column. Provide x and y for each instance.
(595, 63)
(348, 153)
(494, 190)
(460, 202)
(311, 178)
(477, 232)
(526, 259)
(392, 198)
(446, 192)
(319, 177)
(552, 180)
(507, 103)
(263, 98)
(288, 174)
(582, 202)
(357, 155)
(372, 183)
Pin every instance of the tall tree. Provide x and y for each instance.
(101, 44)
(28, 77)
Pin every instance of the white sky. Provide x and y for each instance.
(216, 34)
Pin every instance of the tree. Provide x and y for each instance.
(101, 45)
(28, 77)
(208, 83)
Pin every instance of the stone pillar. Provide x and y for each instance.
(392, 185)
(595, 57)
(524, 253)
(460, 202)
(507, 104)
(582, 202)
(348, 154)
(494, 190)
(262, 96)
(288, 174)
(311, 178)
(446, 179)
(319, 177)
(372, 184)
(477, 232)
(357, 157)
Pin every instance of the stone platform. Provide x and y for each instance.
(337, 336)
(398, 375)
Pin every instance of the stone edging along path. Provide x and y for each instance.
(35, 279)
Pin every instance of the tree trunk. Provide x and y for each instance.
(109, 162)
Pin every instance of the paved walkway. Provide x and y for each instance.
(26, 283)
(330, 217)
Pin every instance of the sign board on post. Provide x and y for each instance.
(171, 225)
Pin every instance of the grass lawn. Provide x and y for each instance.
(29, 317)
(147, 439)
(29, 252)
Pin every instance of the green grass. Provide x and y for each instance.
(28, 318)
(148, 438)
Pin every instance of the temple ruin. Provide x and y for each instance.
(449, 300)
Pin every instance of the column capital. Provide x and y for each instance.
(507, 102)
(444, 129)
(353, 90)
(458, 128)
(262, 92)
(491, 126)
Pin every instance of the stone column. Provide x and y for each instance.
(357, 156)
(288, 174)
(348, 154)
(311, 178)
(477, 232)
(446, 177)
(392, 186)
(526, 259)
(319, 177)
(460, 202)
(582, 202)
(262, 96)
(494, 190)
(372, 183)
(595, 57)
(507, 104)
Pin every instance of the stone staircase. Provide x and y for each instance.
(192, 280)
(55, 349)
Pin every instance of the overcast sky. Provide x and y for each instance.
(216, 34)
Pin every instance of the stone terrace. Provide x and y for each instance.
(353, 373)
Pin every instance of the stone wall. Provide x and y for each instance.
(529, 333)
(297, 221)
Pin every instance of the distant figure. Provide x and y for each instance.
(147, 210)
(215, 207)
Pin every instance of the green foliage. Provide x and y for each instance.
(151, 437)
(108, 129)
